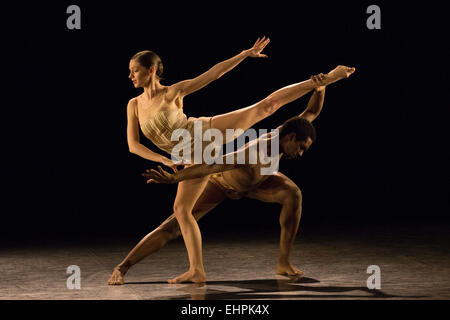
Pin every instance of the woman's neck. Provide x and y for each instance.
(152, 89)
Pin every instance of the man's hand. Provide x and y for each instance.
(260, 44)
(160, 176)
(319, 81)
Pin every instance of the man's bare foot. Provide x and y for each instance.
(287, 269)
(116, 277)
(190, 276)
(340, 72)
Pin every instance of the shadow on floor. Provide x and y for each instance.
(270, 289)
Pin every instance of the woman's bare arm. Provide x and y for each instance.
(133, 138)
(186, 87)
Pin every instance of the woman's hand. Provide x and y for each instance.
(160, 176)
(260, 44)
(172, 164)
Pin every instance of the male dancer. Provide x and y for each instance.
(242, 180)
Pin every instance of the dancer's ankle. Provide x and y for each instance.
(197, 270)
(284, 260)
(123, 268)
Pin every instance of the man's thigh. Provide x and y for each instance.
(275, 189)
(211, 196)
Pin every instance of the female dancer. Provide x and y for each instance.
(159, 111)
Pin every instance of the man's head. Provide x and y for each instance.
(296, 136)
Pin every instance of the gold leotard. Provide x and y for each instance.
(159, 128)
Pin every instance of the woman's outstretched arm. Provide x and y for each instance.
(189, 86)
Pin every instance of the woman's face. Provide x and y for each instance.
(139, 75)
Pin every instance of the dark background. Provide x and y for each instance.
(382, 151)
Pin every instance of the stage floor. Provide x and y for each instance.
(414, 264)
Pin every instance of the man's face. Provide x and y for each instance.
(293, 147)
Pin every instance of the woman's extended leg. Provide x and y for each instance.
(246, 117)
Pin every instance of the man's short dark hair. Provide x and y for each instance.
(302, 128)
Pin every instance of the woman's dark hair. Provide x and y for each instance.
(147, 59)
(302, 128)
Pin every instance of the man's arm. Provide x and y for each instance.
(238, 159)
(192, 172)
(315, 105)
(243, 157)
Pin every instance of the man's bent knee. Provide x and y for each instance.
(293, 196)
(172, 233)
(171, 229)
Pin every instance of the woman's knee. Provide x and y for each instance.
(181, 212)
(268, 106)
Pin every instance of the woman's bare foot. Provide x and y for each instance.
(190, 276)
(116, 277)
(340, 72)
(287, 269)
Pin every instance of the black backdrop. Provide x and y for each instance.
(381, 154)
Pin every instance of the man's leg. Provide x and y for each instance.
(280, 189)
(168, 230)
